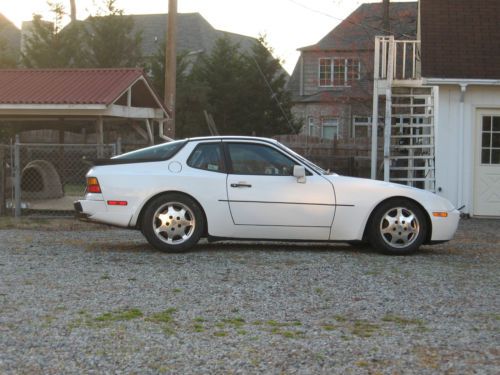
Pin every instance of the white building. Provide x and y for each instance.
(441, 95)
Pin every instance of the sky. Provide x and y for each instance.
(287, 24)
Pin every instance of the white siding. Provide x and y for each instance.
(447, 142)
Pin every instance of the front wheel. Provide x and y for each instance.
(398, 227)
(173, 222)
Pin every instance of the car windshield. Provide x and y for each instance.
(163, 151)
(309, 163)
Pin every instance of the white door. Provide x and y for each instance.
(262, 192)
(487, 164)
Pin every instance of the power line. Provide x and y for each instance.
(273, 94)
(365, 26)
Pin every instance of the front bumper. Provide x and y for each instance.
(444, 228)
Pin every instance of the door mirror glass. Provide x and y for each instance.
(300, 172)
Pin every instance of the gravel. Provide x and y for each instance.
(104, 301)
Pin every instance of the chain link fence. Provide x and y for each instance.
(45, 179)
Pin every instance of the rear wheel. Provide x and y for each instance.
(398, 227)
(173, 222)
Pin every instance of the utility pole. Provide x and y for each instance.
(73, 10)
(170, 67)
(386, 25)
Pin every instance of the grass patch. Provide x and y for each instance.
(176, 290)
(163, 316)
(362, 363)
(363, 328)
(198, 327)
(220, 334)
(235, 322)
(119, 315)
(401, 320)
(274, 323)
(74, 190)
(329, 327)
(340, 318)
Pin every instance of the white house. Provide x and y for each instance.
(441, 95)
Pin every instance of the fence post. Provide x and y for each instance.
(119, 146)
(17, 178)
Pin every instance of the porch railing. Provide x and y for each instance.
(401, 57)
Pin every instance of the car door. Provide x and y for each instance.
(262, 191)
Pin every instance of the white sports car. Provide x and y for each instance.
(256, 189)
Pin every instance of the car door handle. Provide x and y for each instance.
(241, 184)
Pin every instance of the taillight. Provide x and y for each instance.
(93, 185)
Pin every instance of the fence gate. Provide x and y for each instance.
(45, 179)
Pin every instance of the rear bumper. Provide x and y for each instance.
(97, 211)
(79, 211)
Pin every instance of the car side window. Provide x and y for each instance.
(256, 159)
(207, 156)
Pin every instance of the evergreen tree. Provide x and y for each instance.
(222, 71)
(7, 56)
(190, 92)
(47, 47)
(245, 93)
(269, 111)
(110, 41)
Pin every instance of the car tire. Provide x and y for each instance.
(397, 227)
(173, 222)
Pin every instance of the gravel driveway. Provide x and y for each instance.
(97, 301)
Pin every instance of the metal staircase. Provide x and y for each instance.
(410, 113)
(411, 151)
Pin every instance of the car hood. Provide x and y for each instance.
(352, 189)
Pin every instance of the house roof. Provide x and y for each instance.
(460, 39)
(194, 33)
(358, 30)
(65, 86)
(10, 33)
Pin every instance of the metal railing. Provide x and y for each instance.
(402, 57)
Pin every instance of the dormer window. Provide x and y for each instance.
(338, 71)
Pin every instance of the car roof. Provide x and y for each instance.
(231, 137)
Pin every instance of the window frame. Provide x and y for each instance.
(351, 71)
(335, 126)
(224, 169)
(230, 169)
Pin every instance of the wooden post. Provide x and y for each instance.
(100, 137)
(171, 67)
(17, 178)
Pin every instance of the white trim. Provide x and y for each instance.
(467, 81)
(48, 107)
(133, 112)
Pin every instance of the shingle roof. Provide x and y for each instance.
(358, 31)
(194, 33)
(65, 86)
(9, 32)
(460, 39)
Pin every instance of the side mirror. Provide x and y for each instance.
(300, 172)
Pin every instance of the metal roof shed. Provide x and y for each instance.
(53, 98)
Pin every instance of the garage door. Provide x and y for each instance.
(487, 164)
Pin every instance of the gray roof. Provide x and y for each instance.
(10, 33)
(358, 31)
(194, 33)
